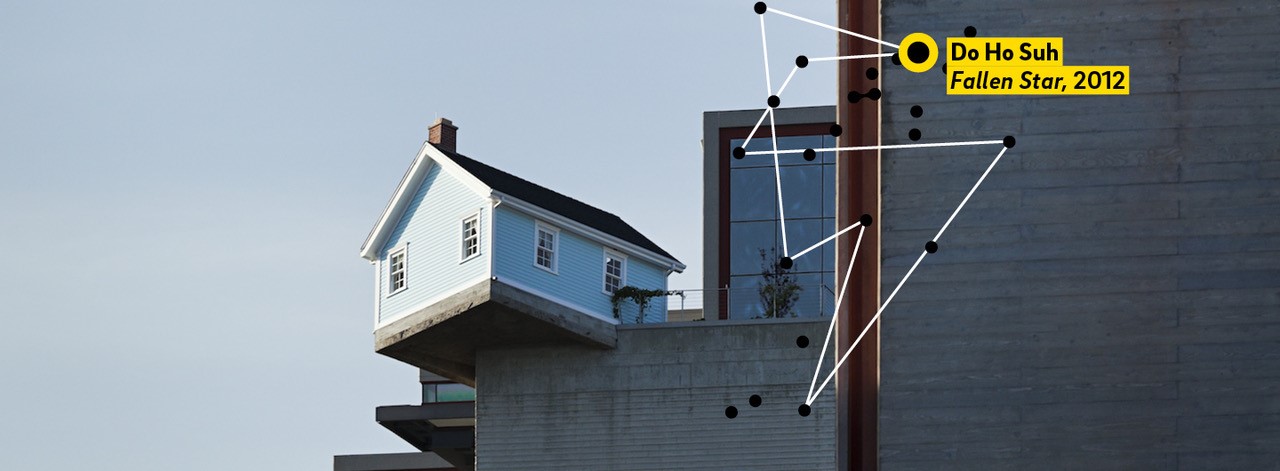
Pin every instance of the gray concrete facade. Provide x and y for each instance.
(390, 462)
(657, 401)
(1110, 297)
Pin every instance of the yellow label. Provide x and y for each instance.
(1003, 52)
(1031, 80)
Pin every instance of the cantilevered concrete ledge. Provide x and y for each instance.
(443, 338)
(447, 429)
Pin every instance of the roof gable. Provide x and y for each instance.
(550, 200)
(489, 182)
(427, 157)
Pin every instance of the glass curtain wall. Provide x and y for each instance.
(808, 196)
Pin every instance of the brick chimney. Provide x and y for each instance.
(444, 135)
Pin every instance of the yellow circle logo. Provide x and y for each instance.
(918, 52)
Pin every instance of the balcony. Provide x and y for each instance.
(747, 303)
(447, 429)
(442, 338)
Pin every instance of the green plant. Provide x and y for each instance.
(778, 288)
(639, 296)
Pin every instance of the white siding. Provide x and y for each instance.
(431, 229)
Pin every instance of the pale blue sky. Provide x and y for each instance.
(184, 189)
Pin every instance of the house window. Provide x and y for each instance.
(545, 241)
(470, 237)
(615, 271)
(396, 271)
(434, 392)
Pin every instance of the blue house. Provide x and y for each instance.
(467, 255)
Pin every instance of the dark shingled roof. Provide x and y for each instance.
(555, 202)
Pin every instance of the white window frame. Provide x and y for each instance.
(604, 270)
(391, 270)
(538, 229)
(462, 238)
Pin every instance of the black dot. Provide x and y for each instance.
(872, 73)
(731, 412)
(944, 68)
(805, 410)
(918, 52)
(761, 8)
(917, 111)
(774, 101)
(809, 155)
(802, 341)
(895, 59)
(914, 134)
(854, 96)
(1009, 141)
(865, 220)
(836, 130)
(739, 152)
(931, 247)
(874, 94)
(802, 61)
(970, 31)
(786, 263)
(755, 400)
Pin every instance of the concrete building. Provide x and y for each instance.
(1109, 298)
(562, 384)
(442, 428)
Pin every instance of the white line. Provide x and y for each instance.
(833, 28)
(815, 394)
(788, 80)
(753, 130)
(971, 190)
(839, 299)
(765, 46)
(870, 323)
(777, 178)
(895, 146)
(845, 58)
(828, 239)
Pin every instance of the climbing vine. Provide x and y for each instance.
(641, 297)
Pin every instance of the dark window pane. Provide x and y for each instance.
(802, 191)
(454, 392)
(802, 234)
(795, 143)
(744, 297)
(746, 240)
(814, 297)
(752, 194)
(762, 143)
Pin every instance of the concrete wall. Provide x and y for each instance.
(657, 402)
(1110, 298)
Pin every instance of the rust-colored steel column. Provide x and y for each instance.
(858, 192)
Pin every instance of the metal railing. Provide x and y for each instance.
(748, 303)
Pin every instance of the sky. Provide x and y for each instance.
(184, 188)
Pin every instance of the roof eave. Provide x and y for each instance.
(590, 232)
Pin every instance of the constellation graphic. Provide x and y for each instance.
(921, 54)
